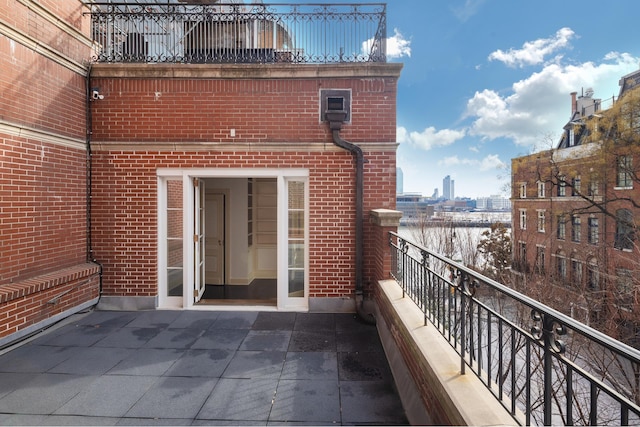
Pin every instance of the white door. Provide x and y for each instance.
(198, 239)
(215, 239)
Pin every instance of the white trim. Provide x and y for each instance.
(282, 176)
(27, 132)
(42, 49)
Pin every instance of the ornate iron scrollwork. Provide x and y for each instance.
(547, 331)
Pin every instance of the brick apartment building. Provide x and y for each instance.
(574, 211)
(211, 179)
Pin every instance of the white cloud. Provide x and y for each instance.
(429, 138)
(538, 106)
(534, 52)
(397, 46)
(490, 162)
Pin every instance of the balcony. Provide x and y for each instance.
(540, 365)
(165, 31)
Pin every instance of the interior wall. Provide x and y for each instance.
(237, 256)
(266, 231)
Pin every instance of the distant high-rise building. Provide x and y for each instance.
(448, 192)
(399, 181)
(435, 194)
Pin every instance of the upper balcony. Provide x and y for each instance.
(211, 32)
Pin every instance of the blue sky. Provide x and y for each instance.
(488, 80)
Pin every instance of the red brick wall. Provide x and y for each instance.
(268, 110)
(43, 238)
(144, 111)
(125, 213)
(31, 21)
(43, 206)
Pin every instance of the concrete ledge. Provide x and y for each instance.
(120, 303)
(247, 71)
(425, 365)
(32, 285)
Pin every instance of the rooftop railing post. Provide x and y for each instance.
(424, 261)
(547, 330)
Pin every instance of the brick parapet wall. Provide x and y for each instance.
(34, 300)
(382, 221)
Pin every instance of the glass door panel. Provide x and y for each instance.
(296, 239)
(174, 239)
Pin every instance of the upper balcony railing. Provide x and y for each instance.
(166, 31)
(543, 366)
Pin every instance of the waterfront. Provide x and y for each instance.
(448, 235)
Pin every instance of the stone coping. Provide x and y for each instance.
(464, 398)
(23, 288)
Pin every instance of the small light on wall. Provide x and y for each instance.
(232, 133)
(95, 94)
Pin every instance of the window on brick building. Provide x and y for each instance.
(541, 220)
(593, 189)
(540, 259)
(576, 184)
(523, 190)
(576, 272)
(562, 227)
(523, 219)
(593, 275)
(576, 224)
(594, 231)
(624, 176)
(562, 186)
(561, 266)
(541, 192)
(625, 230)
(522, 254)
(624, 289)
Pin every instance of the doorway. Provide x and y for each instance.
(247, 240)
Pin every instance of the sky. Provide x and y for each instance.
(485, 81)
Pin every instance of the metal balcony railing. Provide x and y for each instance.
(181, 31)
(543, 366)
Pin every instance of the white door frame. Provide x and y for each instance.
(285, 303)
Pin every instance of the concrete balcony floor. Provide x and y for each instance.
(200, 368)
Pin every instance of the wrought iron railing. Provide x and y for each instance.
(543, 366)
(169, 31)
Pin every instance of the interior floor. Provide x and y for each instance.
(262, 291)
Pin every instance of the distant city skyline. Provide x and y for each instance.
(448, 188)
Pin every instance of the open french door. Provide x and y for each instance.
(198, 239)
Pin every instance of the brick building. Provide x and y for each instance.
(573, 210)
(211, 179)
